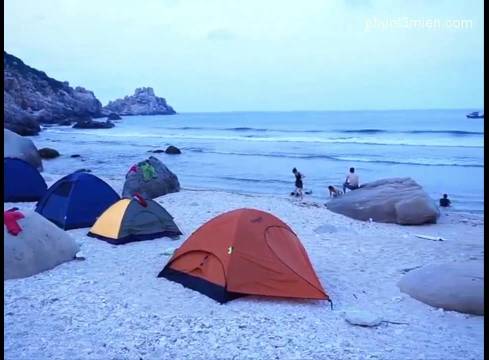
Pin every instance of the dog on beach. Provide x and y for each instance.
(334, 192)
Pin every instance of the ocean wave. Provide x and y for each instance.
(368, 131)
(419, 162)
(194, 149)
(380, 131)
(291, 139)
(252, 180)
(346, 131)
(450, 132)
(363, 131)
(244, 129)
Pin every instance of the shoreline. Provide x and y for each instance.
(309, 200)
(447, 216)
(312, 201)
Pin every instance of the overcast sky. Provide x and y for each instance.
(217, 55)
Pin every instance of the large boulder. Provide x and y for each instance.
(48, 153)
(172, 150)
(18, 120)
(16, 146)
(91, 124)
(452, 286)
(396, 200)
(143, 102)
(113, 116)
(40, 246)
(150, 178)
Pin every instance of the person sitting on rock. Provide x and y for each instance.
(445, 201)
(351, 181)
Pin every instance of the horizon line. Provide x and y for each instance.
(312, 111)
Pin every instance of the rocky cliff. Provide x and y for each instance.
(143, 102)
(31, 97)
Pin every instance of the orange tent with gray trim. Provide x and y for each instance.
(245, 252)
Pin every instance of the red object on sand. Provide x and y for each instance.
(140, 199)
(10, 220)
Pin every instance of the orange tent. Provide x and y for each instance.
(244, 252)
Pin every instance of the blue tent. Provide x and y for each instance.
(76, 200)
(22, 181)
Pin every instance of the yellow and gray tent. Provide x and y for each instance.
(130, 220)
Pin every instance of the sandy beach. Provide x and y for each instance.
(112, 305)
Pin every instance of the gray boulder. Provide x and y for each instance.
(66, 122)
(91, 124)
(48, 153)
(396, 200)
(113, 116)
(151, 182)
(18, 120)
(454, 286)
(16, 146)
(143, 102)
(172, 150)
(40, 246)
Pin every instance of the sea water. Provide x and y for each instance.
(254, 152)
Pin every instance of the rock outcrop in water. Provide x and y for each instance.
(172, 150)
(113, 116)
(48, 153)
(31, 97)
(143, 102)
(397, 200)
(90, 124)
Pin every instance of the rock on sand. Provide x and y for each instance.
(40, 246)
(452, 286)
(396, 200)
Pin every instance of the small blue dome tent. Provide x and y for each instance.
(76, 201)
(22, 181)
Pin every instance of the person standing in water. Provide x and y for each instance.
(298, 183)
(445, 201)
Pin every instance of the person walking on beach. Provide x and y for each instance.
(351, 181)
(298, 183)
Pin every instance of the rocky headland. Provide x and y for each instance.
(143, 102)
(31, 98)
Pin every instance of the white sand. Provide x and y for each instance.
(112, 305)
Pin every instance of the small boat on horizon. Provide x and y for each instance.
(476, 115)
